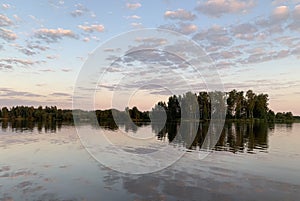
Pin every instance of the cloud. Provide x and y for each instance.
(7, 35)
(27, 51)
(280, 13)
(296, 12)
(246, 31)
(217, 8)
(18, 62)
(136, 24)
(80, 10)
(6, 92)
(53, 35)
(5, 66)
(6, 6)
(180, 14)
(133, 6)
(231, 54)
(86, 39)
(5, 21)
(59, 94)
(295, 24)
(214, 36)
(92, 28)
(31, 49)
(278, 2)
(48, 70)
(66, 70)
(17, 18)
(184, 28)
(151, 40)
(135, 17)
(52, 56)
(56, 3)
(38, 47)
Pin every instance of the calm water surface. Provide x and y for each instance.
(250, 162)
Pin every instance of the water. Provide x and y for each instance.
(250, 162)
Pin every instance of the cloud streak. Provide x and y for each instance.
(92, 28)
(218, 8)
(7, 35)
(133, 6)
(54, 35)
(180, 14)
(5, 21)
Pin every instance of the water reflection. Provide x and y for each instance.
(20, 126)
(56, 167)
(238, 137)
(235, 137)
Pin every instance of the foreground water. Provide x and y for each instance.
(250, 162)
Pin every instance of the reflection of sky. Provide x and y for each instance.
(255, 44)
(40, 166)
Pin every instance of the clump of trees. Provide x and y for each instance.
(239, 105)
(51, 114)
(36, 114)
(122, 116)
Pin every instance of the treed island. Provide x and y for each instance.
(239, 106)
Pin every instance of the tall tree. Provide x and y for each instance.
(250, 103)
(261, 106)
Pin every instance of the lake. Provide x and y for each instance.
(250, 161)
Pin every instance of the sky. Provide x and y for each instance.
(45, 44)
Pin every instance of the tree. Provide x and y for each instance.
(189, 106)
(231, 104)
(159, 111)
(261, 106)
(250, 103)
(5, 113)
(271, 116)
(204, 105)
(174, 110)
(240, 105)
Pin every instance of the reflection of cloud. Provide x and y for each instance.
(53, 35)
(179, 14)
(217, 8)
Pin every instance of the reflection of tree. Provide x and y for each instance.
(235, 137)
(4, 125)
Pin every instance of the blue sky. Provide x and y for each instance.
(44, 44)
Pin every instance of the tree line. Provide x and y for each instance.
(233, 105)
(201, 106)
(52, 114)
(36, 114)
